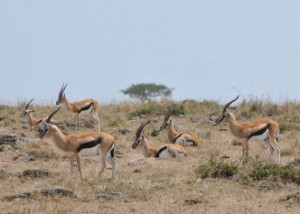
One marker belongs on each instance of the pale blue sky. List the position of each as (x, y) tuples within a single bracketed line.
[(201, 48)]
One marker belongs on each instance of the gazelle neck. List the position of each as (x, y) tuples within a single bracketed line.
[(172, 133), (232, 124), (147, 150), (30, 119), (68, 104), (58, 138)]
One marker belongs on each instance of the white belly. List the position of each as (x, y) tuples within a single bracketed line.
[(165, 154), (90, 151), (260, 137)]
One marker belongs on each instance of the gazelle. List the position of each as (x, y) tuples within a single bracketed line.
[(32, 121), (80, 106), (165, 151), (175, 137), (75, 143), (261, 129)]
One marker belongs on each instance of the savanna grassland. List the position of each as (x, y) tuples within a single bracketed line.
[(212, 179)]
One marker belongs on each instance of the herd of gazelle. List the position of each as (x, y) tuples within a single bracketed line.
[(103, 144)]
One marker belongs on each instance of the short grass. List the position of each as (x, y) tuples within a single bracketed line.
[(212, 179)]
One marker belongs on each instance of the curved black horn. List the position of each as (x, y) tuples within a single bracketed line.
[(168, 114), (228, 104), (62, 90), (51, 115), (142, 126), (29, 103)]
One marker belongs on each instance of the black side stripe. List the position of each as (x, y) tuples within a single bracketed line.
[(259, 132), (178, 136), (86, 107), (112, 152), (90, 144), (160, 151)]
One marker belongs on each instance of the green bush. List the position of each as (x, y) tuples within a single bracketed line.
[(216, 169), (286, 173)]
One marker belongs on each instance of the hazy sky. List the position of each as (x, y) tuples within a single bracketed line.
[(202, 49)]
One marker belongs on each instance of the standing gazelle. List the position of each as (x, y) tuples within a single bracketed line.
[(175, 137), (80, 106), (32, 121), (75, 143), (261, 129), (165, 151)]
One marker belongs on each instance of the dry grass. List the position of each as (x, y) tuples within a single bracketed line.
[(151, 186)]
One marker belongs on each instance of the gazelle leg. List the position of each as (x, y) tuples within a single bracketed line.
[(71, 163), (276, 145), (78, 163), (270, 147), (96, 116), (103, 165), (113, 166)]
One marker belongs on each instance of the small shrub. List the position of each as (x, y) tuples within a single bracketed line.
[(286, 173), (178, 109), (216, 169)]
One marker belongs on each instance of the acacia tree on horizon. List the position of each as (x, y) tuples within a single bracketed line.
[(147, 91)]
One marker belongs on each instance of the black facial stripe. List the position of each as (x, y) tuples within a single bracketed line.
[(160, 151), (260, 132), (90, 144), (136, 143), (86, 107)]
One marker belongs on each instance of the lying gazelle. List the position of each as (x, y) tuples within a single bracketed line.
[(32, 121), (75, 143), (175, 137), (165, 151), (90, 105), (262, 129)]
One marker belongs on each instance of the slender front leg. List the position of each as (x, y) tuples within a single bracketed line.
[(76, 154), (71, 163)]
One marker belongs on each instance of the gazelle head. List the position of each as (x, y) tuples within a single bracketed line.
[(26, 111), (225, 112), (61, 95), (166, 120), (165, 123), (43, 127), (138, 136)]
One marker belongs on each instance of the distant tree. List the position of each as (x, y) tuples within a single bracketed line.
[(147, 91)]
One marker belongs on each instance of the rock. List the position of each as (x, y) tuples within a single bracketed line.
[(35, 173), (294, 196), (195, 119), (25, 195), (124, 131), (134, 118), (103, 197), (8, 138), (106, 197), (58, 191)]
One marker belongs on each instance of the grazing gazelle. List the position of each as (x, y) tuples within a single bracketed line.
[(75, 143), (175, 137), (261, 129), (90, 105), (32, 121), (165, 151)]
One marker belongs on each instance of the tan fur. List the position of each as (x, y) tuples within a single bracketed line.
[(76, 106), (150, 151), (70, 144), (187, 136), (242, 131), (33, 121)]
